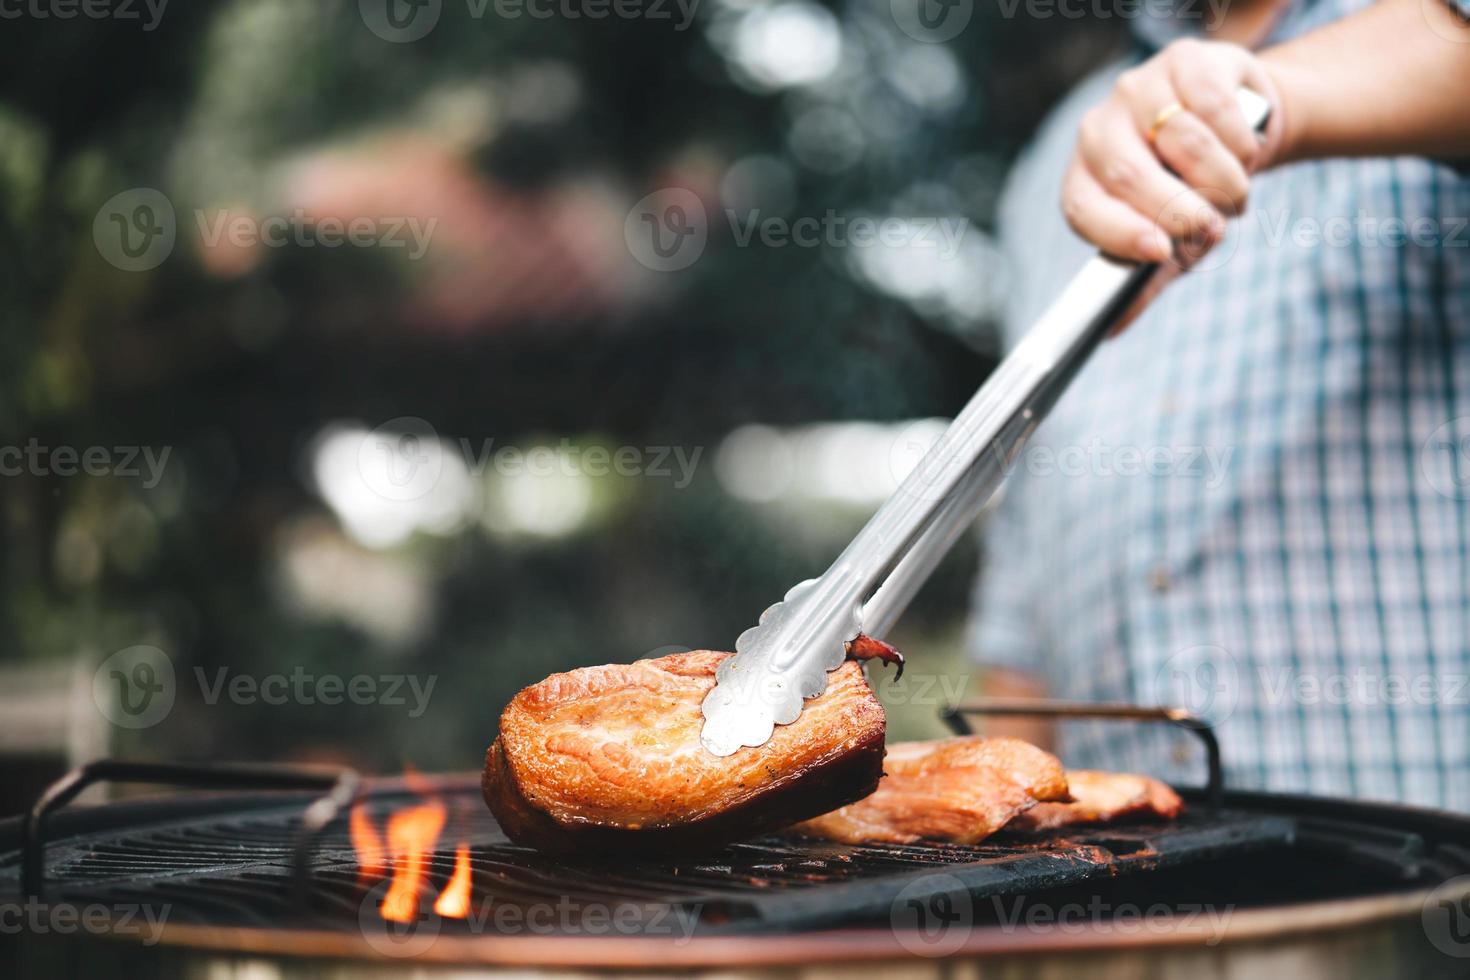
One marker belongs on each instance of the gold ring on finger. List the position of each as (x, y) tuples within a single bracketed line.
[(1165, 114)]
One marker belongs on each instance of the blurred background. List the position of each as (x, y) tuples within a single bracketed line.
[(365, 362)]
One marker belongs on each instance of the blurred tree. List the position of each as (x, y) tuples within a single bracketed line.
[(526, 141)]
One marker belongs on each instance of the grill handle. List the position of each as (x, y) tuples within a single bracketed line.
[(340, 786), (954, 717)]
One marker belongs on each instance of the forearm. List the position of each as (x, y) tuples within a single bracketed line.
[(1391, 79)]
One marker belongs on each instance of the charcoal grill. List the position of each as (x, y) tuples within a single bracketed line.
[(242, 883)]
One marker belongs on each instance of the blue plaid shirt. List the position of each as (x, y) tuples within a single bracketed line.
[(1256, 502)]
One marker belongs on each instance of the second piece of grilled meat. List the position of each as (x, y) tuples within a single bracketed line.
[(959, 790), (1104, 797)]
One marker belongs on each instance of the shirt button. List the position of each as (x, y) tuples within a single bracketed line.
[(1158, 579)]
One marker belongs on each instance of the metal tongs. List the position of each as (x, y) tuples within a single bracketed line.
[(785, 658)]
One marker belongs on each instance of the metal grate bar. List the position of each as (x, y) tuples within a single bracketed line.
[(238, 869)]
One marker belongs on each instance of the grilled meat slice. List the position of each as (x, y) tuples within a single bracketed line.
[(1104, 797), (959, 790), (609, 758)]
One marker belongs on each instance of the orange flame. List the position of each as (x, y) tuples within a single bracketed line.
[(454, 902), (411, 835), (372, 858), (404, 851)]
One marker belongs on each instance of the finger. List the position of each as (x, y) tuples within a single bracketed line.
[(1107, 222), (1126, 167), (1195, 154), (1189, 249), (1146, 91), (1198, 155), (1206, 87)]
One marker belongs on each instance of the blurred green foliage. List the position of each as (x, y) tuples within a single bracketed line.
[(237, 369)]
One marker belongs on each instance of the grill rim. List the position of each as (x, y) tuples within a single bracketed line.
[(1268, 922), (827, 946)]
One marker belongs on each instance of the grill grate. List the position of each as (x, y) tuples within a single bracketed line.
[(236, 869)]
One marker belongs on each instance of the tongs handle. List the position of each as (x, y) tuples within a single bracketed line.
[(784, 658), (964, 468)]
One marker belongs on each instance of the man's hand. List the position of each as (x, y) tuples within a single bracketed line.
[(1388, 80), (1175, 112)]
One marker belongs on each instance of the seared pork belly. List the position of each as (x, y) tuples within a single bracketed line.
[(1104, 797), (609, 758), (959, 790)]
